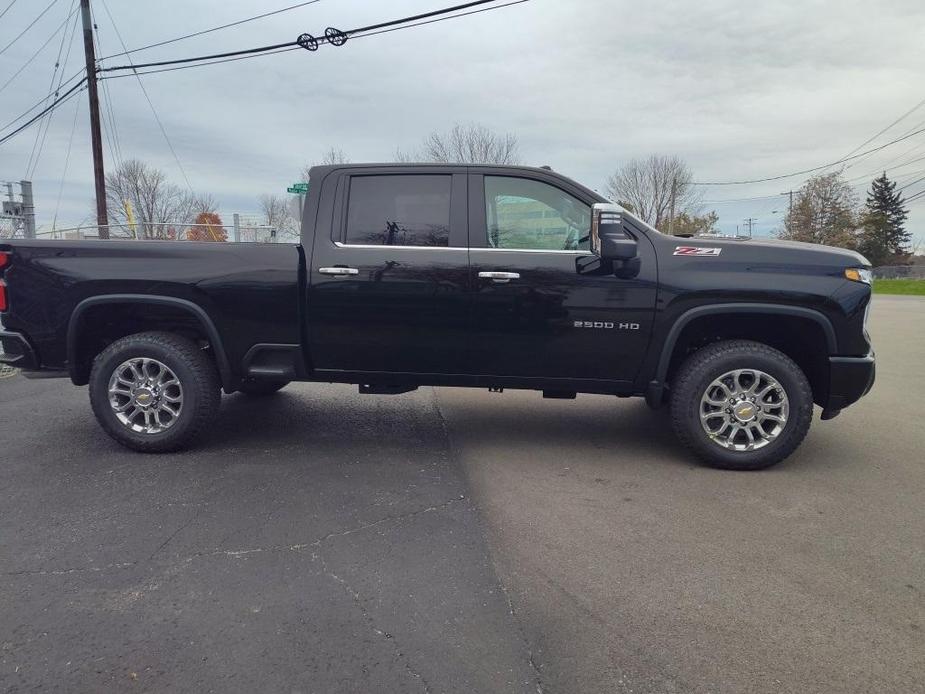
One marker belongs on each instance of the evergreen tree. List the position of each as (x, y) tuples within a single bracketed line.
[(884, 236)]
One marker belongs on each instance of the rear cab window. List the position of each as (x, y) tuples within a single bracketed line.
[(410, 210)]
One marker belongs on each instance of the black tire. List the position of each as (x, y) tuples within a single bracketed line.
[(704, 366), (260, 389), (195, 372)]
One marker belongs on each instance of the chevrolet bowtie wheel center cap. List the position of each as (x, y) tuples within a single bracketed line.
[(744, 411)]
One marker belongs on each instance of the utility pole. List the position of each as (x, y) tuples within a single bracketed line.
[(674, 192), (750, 222), (28, 210), (789, 209), (96, 139)]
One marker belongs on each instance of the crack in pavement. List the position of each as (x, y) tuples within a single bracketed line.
[(176, 532), (241, 552), (510, 603), (358, 602), (75, 570), (523, 635)]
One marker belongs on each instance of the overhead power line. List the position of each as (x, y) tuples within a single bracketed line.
[(884, 169), (815, 168), (441, 19), (296, 48), (331, 35), (203, 64), (148, 99), (209, 31), (13, 2), (749, 199), (38, 50), (42, 134), (289, 47), (48, 109), (67, 159), (32, 24), (879, 133), (908, 185), (41, 102), (918, 196)]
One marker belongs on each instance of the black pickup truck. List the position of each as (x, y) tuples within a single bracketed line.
[(432, 275)]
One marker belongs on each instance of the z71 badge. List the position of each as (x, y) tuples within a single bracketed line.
[(700, 251)]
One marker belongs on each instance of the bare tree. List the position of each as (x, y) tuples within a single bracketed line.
[(277, 213), (332, 155), (466, 144), (203, 203), (825, 210), (153, 200), (654, 188)]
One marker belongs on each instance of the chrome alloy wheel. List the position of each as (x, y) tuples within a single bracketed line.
[(145, 395), (744, 410)]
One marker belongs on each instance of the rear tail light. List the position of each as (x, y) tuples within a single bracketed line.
[(4, 262)]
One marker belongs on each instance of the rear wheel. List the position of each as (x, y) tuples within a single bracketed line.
[(154, 392), (259, 389), (741, 405)]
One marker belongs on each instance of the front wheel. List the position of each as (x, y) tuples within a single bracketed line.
[(154, 392), (741, 405)]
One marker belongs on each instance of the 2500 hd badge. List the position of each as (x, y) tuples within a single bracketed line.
[(605, 325)]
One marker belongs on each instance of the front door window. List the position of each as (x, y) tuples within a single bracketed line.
[(523, 214)]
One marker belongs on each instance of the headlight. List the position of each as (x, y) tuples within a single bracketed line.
[(859, 274)]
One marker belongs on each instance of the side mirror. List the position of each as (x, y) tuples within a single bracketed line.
[(609, 237)]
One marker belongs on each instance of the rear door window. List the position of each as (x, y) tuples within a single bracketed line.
[(399, 210)]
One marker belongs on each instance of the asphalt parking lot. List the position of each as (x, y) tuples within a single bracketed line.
[(463, 541)]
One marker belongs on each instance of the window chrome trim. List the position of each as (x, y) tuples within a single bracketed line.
[(561, 251), (367, 246), (340, 244)]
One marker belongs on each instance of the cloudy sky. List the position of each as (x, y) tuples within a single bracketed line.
[(740, 90)]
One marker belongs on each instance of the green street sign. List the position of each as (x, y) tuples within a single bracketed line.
[(297, 188)]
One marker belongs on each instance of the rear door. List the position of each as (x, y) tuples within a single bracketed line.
[(389, 275), (539, 308)]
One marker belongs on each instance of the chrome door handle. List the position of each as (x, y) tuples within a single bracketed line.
[(499, 277), (338, 271)]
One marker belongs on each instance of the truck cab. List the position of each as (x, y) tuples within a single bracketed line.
[(481, 273)]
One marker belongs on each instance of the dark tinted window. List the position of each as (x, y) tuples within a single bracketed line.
[(399, 210)]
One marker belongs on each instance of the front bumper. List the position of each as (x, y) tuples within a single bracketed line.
[(17, 351), (850, 379)]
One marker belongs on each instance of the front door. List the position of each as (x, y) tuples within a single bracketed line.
[(388, 288), (539, 308)]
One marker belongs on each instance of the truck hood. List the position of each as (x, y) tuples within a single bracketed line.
[(762, 249), (745, 248)]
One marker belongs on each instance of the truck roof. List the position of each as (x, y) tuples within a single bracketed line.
[(321, 171)]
